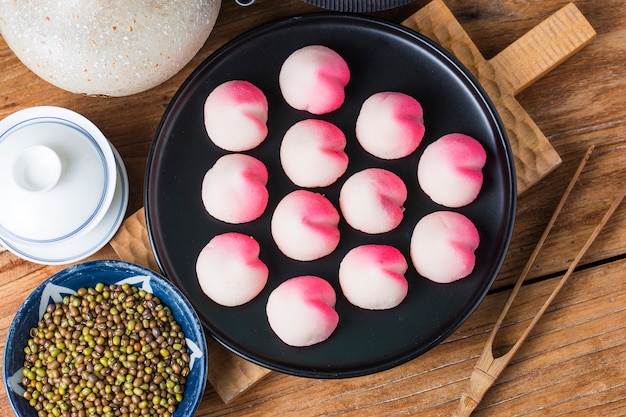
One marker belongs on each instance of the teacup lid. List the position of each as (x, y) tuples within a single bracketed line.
[(57, 175)]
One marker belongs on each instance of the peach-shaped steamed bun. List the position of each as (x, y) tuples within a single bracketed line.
[(234, 189), (313, 78), (301, 311), (390, 125), (235, 116), (372, 277), (450, 170), (229, 270), (372, 200), (304, 226), (443, 245), (312, 153)]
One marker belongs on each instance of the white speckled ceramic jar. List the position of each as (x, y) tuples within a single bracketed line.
[(106, 47)]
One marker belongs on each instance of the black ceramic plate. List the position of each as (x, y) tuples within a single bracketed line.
[(382, 57)]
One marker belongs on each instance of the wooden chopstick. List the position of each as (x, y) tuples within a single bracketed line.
[(489, 368)]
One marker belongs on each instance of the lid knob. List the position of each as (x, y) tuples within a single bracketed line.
[(37, 169)]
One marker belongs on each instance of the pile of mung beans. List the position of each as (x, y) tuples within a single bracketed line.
[(108, 350)]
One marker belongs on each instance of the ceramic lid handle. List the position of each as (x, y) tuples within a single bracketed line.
[(37, 169)]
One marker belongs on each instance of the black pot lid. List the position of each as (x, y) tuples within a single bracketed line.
[(358, 6)]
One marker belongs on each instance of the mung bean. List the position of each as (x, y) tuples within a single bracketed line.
[(106, 350)]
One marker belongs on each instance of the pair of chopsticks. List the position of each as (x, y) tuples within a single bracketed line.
[(489, 368)]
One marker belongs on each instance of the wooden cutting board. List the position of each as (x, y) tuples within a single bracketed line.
[(502, 77)]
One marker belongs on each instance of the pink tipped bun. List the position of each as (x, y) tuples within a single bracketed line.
[(443, 245), (304, 226), (450, 170), (235, 116), (310, 145), (372, 200), (301, 311), (390, 125), (229, 269), (372, 277), (313, 79), (234, 191)]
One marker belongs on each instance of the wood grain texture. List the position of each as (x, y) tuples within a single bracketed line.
[(574, 361), (543, 48), (132, 243)]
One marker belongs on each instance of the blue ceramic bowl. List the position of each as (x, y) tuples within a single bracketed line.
[(88, 274)]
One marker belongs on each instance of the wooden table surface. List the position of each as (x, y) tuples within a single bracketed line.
[(573, 363)]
